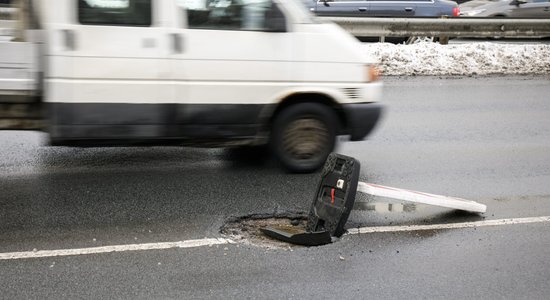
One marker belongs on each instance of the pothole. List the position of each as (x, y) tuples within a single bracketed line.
[(247, 230)]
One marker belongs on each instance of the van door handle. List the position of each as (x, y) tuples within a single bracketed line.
[(177, 43), (362, 9), (69, 41), (409, 9)]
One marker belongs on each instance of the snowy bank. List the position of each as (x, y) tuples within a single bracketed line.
[(461, 59)]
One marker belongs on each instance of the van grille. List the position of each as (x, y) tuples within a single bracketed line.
[(351, 93)]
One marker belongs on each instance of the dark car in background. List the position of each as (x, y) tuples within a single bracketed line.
[(386, 8)]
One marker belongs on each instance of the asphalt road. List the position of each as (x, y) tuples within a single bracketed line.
[(484, 139)]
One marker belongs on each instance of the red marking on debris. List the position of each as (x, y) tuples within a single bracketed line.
[(425, 194), (332, 196), (383, 187)]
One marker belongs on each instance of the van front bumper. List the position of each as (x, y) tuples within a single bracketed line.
[(362, 118)]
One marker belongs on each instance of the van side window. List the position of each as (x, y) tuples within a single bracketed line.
[(253, 15), (115, 12)]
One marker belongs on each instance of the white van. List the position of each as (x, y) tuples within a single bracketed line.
[(220, 72)]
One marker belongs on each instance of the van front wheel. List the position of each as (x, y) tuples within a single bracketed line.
[(303, 135)]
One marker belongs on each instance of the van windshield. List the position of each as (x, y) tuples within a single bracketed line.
[(296, 7)]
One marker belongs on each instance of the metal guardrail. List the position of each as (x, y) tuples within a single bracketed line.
[(403, 27), (451, 27)]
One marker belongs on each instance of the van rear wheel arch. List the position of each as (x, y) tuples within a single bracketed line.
[(316, 98)]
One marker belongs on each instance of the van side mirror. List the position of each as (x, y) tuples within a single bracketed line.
[(275, 20)]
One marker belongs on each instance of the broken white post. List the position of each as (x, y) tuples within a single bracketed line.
[(419, 197)]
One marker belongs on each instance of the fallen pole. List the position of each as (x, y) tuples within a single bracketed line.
[(420, 197)]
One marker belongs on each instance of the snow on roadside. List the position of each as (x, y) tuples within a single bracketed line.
[(484, 58)]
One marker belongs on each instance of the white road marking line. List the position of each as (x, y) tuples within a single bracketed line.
[(116, 248), (499, 222), (221, 241)]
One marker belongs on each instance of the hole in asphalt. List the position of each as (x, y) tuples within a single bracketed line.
[(247, 229)]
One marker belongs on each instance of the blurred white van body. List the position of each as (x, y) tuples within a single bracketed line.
[(237, 72)]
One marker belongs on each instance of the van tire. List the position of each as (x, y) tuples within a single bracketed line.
[(303, 135)]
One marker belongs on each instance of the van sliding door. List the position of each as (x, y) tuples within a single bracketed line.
[(236, 56), (116, 56)]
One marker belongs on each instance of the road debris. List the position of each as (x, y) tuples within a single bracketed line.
[(335, 198)]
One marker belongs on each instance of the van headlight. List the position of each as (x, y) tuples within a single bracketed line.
[(372, 73)]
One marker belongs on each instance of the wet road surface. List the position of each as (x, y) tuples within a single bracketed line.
[(484, 139)]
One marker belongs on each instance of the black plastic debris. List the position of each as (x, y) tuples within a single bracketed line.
[(298, 237), (331, 205)]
